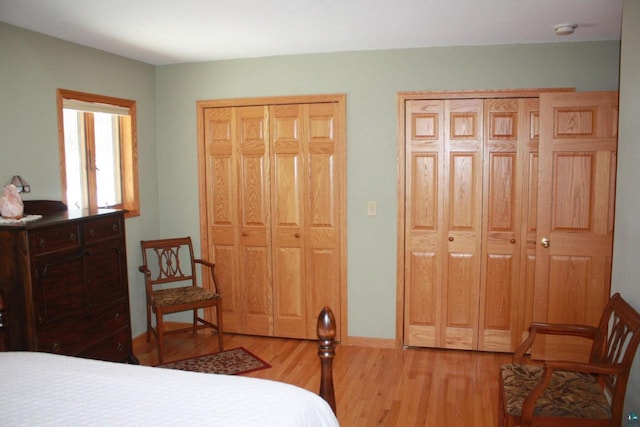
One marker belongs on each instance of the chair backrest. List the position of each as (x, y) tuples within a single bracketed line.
[(169, 261), (615, 344)]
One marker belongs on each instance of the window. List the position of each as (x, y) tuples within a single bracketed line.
[(98, 151)]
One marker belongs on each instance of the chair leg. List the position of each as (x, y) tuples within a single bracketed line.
[(148, 323), (219, 316), (501, 411), (195, 322), (160, 336)]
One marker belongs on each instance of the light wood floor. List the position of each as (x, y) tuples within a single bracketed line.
[(374, 386)]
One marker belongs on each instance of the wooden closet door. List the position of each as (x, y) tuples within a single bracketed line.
[(223, 220), (578, 144), (462, 223), (237, 153), (273, 210), (530, 122), (443, 222), (501, 225), (306, 227), (324, 184), (424, 224), (252, 136), (289, 144)]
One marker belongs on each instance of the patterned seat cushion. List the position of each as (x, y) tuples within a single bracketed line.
[(569, 394), (177, 296)]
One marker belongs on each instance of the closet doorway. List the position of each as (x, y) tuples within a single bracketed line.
[(272, 174), (472, 192)]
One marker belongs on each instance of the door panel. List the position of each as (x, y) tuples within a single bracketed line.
[(252, 135), (424, 172), (324, 173), (462, 222), (502, 210), (530, 123), (222, 212), (575, 209), (288, 210)]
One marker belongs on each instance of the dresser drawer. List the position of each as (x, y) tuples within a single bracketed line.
[(73, 336), (106, 228), (67, 338), (60, 238), (109, 319), (114, 347)]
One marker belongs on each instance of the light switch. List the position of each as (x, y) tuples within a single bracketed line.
[(371, 208)]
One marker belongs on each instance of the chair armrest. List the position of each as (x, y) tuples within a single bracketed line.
[(553, 329), (585, 368), (212, 269), (565, 329), (205, 262), (144, 269)]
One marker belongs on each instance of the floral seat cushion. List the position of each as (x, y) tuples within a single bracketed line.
[(183, 295), (569, 394)]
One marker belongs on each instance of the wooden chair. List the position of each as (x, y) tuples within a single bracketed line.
[(170, 278), (562, 393)]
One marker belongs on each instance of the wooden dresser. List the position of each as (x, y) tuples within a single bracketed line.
[(64, 282)]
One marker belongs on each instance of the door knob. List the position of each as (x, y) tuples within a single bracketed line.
[(545, 242)]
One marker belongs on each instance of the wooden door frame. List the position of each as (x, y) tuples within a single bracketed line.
[(402, 97), (341, 100)]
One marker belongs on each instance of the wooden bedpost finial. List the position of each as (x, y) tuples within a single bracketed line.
[(326, 352)]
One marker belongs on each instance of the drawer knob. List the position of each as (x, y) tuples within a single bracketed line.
[(55, 347), (72, 237), (451, 239), (42, 243), (92, 232), (117, 316), (120, 346), (114, 227)]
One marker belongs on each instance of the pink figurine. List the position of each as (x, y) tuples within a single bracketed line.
[(11, 205)]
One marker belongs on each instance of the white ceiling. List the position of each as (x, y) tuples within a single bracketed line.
[(176, 31)]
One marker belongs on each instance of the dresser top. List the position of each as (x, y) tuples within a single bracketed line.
[(59, 217)]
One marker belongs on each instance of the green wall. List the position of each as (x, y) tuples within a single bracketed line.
[(371, 81), (626, 269)]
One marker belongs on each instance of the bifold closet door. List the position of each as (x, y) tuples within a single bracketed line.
[(237, 172), (274, 176), (466, 190), (443, 222), (305, 178), (506, 129)]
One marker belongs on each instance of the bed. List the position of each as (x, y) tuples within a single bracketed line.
[(47, 389)]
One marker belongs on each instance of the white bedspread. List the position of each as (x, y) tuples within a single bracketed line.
[(39, 389)]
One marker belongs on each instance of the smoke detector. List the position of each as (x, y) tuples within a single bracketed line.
[(565, 29)]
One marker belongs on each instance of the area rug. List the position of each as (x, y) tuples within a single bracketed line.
[(229, 362)]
